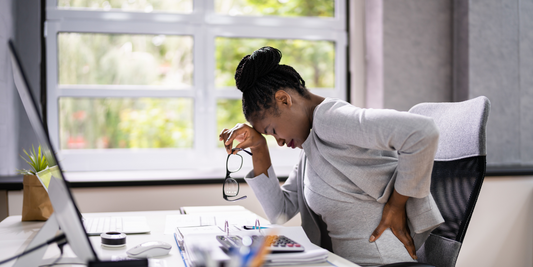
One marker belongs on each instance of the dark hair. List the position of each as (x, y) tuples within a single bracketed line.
[(259, 76)]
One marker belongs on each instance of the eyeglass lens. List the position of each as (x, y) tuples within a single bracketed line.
[(231, 187), (234, 163)]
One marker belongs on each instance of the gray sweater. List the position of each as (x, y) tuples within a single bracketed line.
[(365, 154)]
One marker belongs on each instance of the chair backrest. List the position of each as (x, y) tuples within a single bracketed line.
[(458, 173)]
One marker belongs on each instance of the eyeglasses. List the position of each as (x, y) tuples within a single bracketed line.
[(230, 189)]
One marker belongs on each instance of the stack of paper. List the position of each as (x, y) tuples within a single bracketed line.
[(200, 242), (196, 230), (236, 216), (198, 245), (211, 209), (312, 254), (310, 257)]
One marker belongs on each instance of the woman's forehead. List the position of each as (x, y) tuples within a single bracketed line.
[(261, 124)]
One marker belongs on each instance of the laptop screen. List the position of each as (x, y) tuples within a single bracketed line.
[(65, 208)]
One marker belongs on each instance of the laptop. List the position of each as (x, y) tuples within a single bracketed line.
[(92, 225)]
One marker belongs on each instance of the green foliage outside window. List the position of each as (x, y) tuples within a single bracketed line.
[(124, 59), (285, 8), (126, 123), (166, 61), (229, 112), (314, 60), (180, 6)]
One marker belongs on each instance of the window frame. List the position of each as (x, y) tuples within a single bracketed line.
[(204, 25)]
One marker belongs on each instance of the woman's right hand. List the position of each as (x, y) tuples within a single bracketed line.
[(247, 137)]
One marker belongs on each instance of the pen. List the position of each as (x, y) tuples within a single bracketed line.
[(251, 227), (259, 258)]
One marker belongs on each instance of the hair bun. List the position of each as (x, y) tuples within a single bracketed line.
[(252, 67)]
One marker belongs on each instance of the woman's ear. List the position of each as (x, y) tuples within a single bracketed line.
[(283, 98)]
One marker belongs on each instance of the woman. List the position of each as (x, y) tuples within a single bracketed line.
[(362, 182)]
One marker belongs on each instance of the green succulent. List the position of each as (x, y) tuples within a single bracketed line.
[(36, 160)]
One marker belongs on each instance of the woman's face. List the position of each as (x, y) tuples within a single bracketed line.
[(290, 126)]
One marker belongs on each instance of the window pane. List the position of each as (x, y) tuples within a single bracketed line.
[(285, 8), (177, 6), (124, 59), (229, 113), (106, 123), (314, 60)]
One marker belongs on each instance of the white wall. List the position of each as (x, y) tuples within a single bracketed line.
[(501, 230), (500, 233)]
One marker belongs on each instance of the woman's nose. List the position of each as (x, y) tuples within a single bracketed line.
[(280, 141)]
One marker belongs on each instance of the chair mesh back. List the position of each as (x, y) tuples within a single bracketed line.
[(459, 167), (455, 186), (458, 173)]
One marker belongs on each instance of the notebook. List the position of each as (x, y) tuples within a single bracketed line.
[(93, 226)]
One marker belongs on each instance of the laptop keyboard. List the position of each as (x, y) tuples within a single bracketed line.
[(103, 224)]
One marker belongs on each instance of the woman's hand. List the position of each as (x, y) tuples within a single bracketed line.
[(395, 218), (248, 137), (244, 134)]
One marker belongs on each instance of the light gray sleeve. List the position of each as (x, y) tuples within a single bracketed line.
[(412, 136), (279, 203)]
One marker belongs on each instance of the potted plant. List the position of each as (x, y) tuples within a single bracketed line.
[(36, 205), (37, 162)]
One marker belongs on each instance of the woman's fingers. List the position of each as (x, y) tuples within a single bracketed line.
[(378, 231), (227, 136), (247, 137), (238, 133), (396, 220), (407, 241), (402, 235), (223, 136)]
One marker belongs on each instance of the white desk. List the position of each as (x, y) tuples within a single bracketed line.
[(16, 235)]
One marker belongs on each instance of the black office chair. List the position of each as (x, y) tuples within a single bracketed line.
[(458, 173)]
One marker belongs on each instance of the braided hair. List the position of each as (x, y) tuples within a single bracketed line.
[(259, 76)]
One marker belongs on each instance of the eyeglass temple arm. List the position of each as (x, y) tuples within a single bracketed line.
[(241, 149), (227, 198)]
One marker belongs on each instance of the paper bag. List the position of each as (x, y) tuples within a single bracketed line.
[(36, 205)]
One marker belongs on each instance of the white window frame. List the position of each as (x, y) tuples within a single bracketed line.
[(205, 159)]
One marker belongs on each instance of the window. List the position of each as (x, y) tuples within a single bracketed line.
[(148, 85)]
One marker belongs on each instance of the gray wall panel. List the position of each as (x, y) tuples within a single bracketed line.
[(28, 43), (8, 115), (460, 58), (493, 31), (526, 80), (454, 50), (417, 49), (374, 53)]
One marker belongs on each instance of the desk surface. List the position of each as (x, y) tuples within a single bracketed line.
[(16, 235)]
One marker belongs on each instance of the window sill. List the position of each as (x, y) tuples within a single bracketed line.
[(11, 182), (158, 177), (140, 178)]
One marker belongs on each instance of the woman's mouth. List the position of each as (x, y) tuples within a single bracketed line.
[(291, 144)]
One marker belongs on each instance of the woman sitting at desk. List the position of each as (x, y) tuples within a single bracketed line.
[(362, 181)]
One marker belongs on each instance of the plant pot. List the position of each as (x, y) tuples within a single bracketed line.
[(36, 205)]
